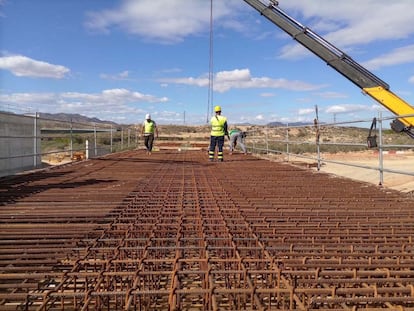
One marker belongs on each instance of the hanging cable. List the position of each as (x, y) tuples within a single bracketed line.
[(210, 67)]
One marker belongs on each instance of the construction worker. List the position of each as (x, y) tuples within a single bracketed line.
[(218, 131), (237, 138), (149, 128)]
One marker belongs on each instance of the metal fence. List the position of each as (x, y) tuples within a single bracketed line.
[(311, 143), (31, 142)]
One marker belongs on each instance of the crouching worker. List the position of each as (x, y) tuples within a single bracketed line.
[(237, 138)]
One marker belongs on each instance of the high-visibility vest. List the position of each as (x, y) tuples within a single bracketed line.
[(149, 127), (217, 125)]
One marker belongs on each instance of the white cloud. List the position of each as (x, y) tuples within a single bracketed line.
[(108, 104), (397, 56), (306, 111), (411, 79), (28, 98), (124, 75), (201, 81), (352, 23), (234, 75), (293, 51), (242, 79), (259, 117), (357, 21), (345, 108), (23, 66), (162, 20), (347, 23), (113, 96)]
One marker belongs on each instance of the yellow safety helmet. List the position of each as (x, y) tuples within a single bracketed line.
[(217, 108)]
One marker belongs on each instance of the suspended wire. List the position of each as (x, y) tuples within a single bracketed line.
[(210, 67)]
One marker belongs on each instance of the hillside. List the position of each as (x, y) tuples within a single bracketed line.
[(328, 134), (75, 118), (301, 131)]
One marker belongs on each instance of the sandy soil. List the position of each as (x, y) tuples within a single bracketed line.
[(403, 162)]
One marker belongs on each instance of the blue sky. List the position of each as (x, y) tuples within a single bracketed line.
[(120, 59)]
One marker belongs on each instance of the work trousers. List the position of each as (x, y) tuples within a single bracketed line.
[(219, 142), (149, 141)]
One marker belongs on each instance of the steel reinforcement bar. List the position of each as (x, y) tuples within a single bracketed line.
[(171, 231)]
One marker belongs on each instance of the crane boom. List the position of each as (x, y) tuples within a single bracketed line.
[(342, 63)]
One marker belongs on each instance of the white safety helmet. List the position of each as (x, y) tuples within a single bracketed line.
[(147, 116)]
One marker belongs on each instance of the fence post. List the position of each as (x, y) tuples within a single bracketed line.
[(71, 139), (318, 146), (95, 138), (267, 140), (254, 145), (87, 149), (287, 142), (380, 150), (122, 138), (111, 138), (35, 140)]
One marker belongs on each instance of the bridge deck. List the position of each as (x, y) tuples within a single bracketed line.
[(172, 231)]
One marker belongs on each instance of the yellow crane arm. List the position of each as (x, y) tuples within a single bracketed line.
[(342, 63), (393, 103)]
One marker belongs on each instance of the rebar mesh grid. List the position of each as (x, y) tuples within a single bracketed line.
[(171, 231)]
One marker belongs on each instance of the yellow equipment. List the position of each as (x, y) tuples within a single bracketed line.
[(345, 65)]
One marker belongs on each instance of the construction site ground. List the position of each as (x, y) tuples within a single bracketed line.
[(173, 231), (362, 166)]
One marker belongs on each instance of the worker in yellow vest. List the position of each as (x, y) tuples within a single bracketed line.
[(218, 131), (149, 129)]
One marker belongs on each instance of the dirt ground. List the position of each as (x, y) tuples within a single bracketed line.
[(358, 162), (403, 162)]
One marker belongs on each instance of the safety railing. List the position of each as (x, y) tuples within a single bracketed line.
[(31, 142), (317, 143)]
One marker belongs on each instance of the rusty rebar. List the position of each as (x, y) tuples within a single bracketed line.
[(171, 231)]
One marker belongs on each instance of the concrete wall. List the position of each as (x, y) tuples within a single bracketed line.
[(19, 144)]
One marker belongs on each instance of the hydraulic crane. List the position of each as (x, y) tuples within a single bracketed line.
[(341, 62)]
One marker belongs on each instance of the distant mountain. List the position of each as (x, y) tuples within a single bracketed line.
[(244, 124), (76, 118), (290, 124)]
